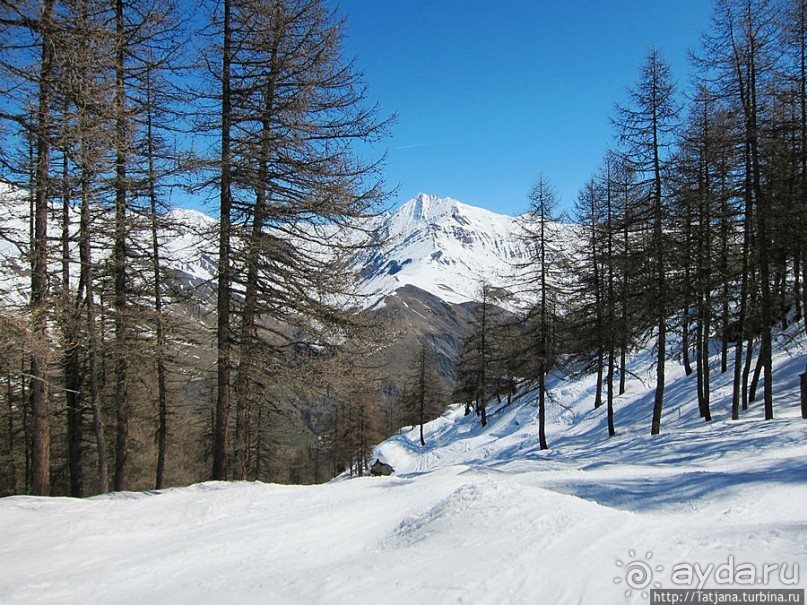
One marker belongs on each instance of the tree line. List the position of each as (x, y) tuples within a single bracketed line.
[(116, 377), (694, 227), (109, 109)]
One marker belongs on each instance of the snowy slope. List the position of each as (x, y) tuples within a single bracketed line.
[(14, 268), (477, 516), (186, 238), (188, 244), (448, 248)]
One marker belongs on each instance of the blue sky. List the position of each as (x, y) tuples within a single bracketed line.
[(490, 94)]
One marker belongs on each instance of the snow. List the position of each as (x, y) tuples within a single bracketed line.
[(448, 248), (13, 243), (187, 245), (439, 245), (476, 516)]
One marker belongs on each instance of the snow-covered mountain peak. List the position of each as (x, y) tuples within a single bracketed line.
[(443, 246), (419, 212), (425, 209), (190, 218)]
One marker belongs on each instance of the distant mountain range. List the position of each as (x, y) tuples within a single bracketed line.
[(424, 274), (438, 245)]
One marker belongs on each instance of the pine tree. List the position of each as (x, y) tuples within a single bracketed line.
[(423, 394), (537, 232), (611, 328), (645, 128), (588, 213), (739, 58), (291, 106), (477, 354), (702, 203), (224, 279), (28, 73)]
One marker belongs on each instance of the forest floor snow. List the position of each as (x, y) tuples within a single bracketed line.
[(479, 515)]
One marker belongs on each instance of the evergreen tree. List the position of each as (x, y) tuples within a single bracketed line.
[(289, 182), (538, 233), (473, 382), (646, 127), (739, 57), (423, 394)]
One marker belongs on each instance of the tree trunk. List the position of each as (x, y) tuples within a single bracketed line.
[(254, 245), (26, 425), (802, 21), (75, 416), (739, 393), (611, 306), (71, 316), (804, 284), (751, 109), (749, 356), (223, 330), (804, 394), (704, 377), (685, 338), (12, 458), (610, 382), (658, 401), (623, 364), (797, 285), (542, 409), (661, 288), (752, 389), (705, 285), (764, 264), (623, 323), (724, 276), (119, 254), (597, 299), (85, 259), (600, 363), (162, 394), (40, 455)]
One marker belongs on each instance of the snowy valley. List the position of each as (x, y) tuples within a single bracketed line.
[(476, 516), (322, 394)]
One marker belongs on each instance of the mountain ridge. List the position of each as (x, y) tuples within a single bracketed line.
[(437, 244), (449, 249)]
